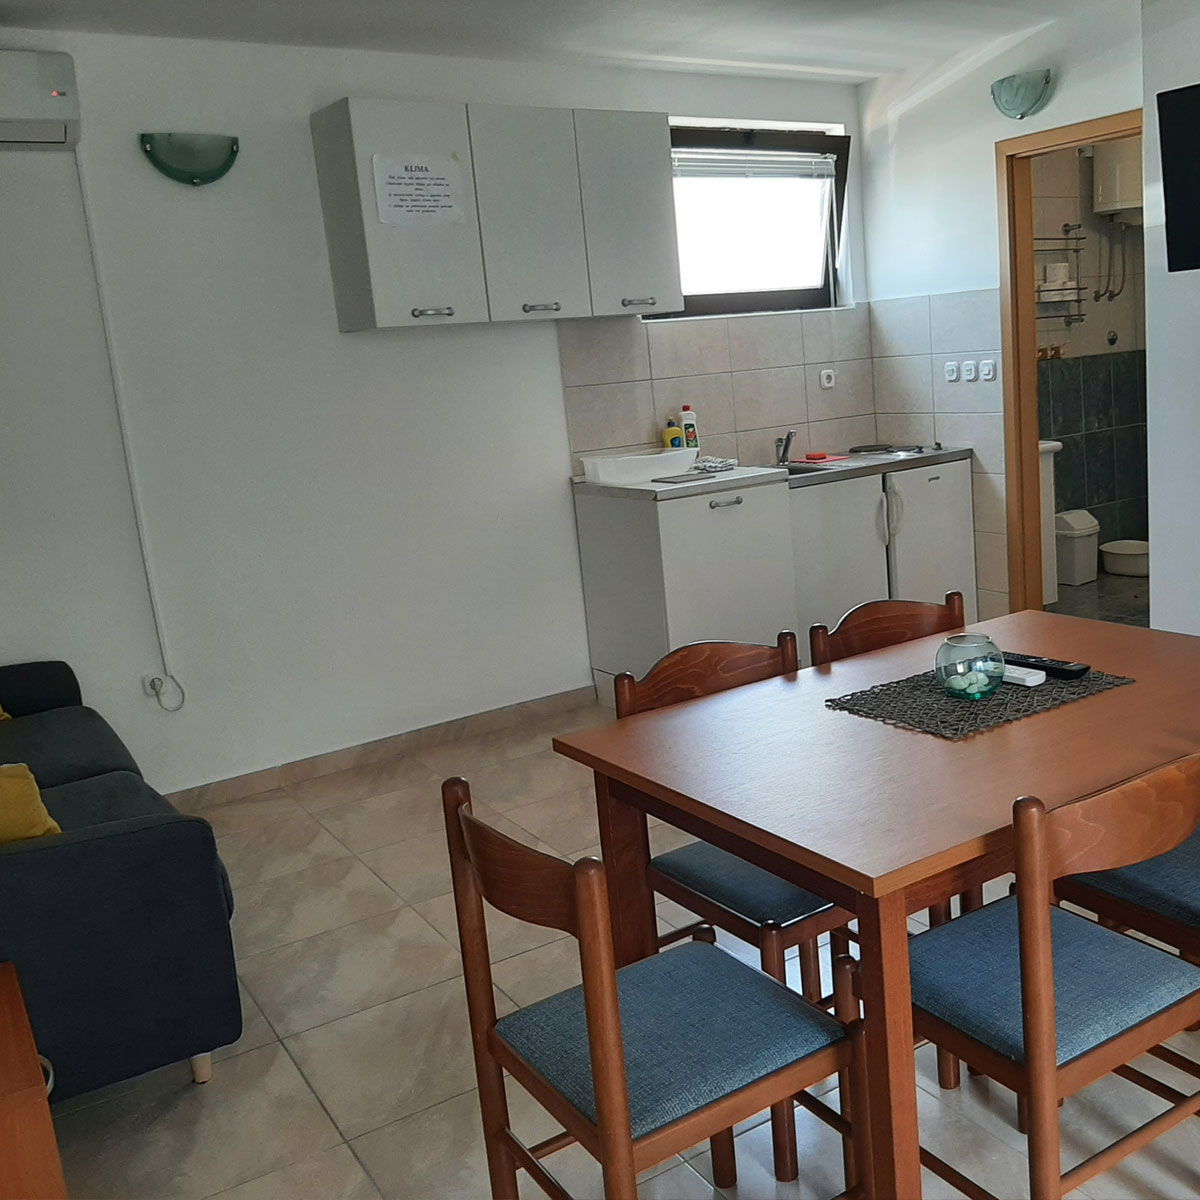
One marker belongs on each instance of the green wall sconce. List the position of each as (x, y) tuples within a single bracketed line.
[(195, 158), (1020, 96)]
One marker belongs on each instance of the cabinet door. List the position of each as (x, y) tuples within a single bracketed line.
[(628, 211), (530, 213), (932, 546), (399, 202), (838, 546), (727, 566)]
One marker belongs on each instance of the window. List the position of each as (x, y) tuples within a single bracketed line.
[(758, 214)]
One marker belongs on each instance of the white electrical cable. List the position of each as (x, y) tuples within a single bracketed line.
[(126, 450)]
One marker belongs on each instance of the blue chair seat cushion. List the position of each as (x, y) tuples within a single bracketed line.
[(697, 1025), (737, 885), (1168, 885), (62, 745), (967, 973)]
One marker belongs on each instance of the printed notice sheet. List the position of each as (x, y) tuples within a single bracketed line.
[(423, 189)]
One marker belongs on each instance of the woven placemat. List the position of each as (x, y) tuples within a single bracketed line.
[(921, 704)]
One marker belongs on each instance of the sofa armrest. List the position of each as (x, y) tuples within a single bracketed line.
[(120, 933), (28, 688)]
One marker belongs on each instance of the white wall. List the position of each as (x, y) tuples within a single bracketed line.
[(929, 144), (352, 535), (1170, 37)]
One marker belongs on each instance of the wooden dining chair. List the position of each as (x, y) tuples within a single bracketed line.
[(641, 1063), (1047, 1002), (881, 623), (720, 888)]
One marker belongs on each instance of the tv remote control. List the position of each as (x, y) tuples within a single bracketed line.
[(1024, 676), (1055, 668)]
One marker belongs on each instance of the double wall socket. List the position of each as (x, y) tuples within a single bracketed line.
[(970, 371)]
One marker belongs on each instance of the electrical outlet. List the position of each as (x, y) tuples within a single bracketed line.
[(951, 369), (970, 370), (987, 370), (828, 377), (153, 684)]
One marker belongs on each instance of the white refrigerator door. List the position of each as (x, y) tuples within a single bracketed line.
[(931, 544), (838, 545)]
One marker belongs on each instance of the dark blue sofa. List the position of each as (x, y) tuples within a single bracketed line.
[(119, 928)]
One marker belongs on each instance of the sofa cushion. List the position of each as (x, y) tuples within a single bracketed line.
[(113, 797), (63, 745)]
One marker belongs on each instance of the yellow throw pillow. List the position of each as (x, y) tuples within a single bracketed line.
[(3, 715), (22, 813)]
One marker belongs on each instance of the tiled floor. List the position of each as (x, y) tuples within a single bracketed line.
[(354, 1078), (1124, 599)]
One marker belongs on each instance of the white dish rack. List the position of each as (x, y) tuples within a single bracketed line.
[(636, 468)]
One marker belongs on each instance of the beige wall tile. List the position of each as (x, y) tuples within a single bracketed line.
[(983, 432), (757, 448), (603, 350), (1058, 174), (818, 335), (900, 326), (841, 434), (614, 414), (903, 385), (853, 394), (764, 399), (1051, 213), (719, 445), (711, 398), (991, 561), (905, 429), (991, 514), (993, 604), (699, 346), (851, 332), (765, 340), (964, 396), (964, 320)]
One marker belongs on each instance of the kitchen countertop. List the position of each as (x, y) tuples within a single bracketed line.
[(858, 465), (721, 481)]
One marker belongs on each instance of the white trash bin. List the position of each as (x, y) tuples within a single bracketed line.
[(1077, 536)]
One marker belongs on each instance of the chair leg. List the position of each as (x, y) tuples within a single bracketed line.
[(493, 1108), (839, 944), (810, 971), (724, 1157), (949, 1075), (851, 1089), (202, 1068), (1045, 1154), (783, 1116)]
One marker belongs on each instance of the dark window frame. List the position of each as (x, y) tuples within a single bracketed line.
[(785, 299)]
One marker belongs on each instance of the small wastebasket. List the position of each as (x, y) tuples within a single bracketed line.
[(1077, 536)]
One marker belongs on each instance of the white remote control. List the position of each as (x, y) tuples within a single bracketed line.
[(1025, 676)]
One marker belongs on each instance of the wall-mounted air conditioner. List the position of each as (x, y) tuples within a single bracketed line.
[(39, 106)]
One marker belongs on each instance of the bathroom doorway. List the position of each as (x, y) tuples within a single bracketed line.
[(1072, 296)]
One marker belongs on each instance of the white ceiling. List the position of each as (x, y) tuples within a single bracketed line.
[(849, 40)]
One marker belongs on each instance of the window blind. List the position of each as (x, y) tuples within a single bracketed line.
[(717, 162)]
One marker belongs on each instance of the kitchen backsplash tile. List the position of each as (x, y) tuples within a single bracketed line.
[(991, 515), (766, 340), (964, 320), (610, 414), (695, 346), (711, 396), (983, 432), (852, 394), (841, 433), (903, 385), (900, 327), (993, 604), (603, 350), (756, 447), (991, 561), (905, 429), (770, 397)]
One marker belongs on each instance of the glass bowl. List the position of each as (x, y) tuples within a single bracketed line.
[(969, 666)]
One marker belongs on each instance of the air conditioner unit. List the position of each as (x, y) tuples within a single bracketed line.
[(39, 106)]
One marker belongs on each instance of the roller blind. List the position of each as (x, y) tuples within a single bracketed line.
[(720, 163)]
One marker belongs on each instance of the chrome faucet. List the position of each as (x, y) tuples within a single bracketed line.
[(783, 448)]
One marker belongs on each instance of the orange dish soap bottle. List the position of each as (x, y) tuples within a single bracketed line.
[(691, 430), (673, 436)]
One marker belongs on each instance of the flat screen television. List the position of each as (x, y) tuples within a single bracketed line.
[(1179, 131)]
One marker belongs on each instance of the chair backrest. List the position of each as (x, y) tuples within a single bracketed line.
[(880, 623), (703, 668), (541, 890), (1127, 824)]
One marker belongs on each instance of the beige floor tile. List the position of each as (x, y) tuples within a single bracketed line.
[(256, 1030), (233, 816), (168, 1137), (567, 822), (358, 783), (667, 837), (387, 1062), (321, 897), (539, 973), (526, 779), (416, 869), (362, 825), (506, 935), (333, 1174), (276, 848), (343, 971)]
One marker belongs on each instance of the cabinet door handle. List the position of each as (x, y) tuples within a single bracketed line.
[(648, 301), (885, 519), (553, 307), (448, 311), (725, 503)]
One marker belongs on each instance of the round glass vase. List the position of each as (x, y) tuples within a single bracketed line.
[(969, 666)]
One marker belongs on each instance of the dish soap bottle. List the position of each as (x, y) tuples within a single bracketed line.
[(691, 431), (673, 436)]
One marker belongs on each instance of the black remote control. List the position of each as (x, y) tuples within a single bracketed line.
[(1055, 668)]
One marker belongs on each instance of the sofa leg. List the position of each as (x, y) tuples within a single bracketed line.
[(202, 1068)]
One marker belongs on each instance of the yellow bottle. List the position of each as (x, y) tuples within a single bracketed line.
[(673, 436)]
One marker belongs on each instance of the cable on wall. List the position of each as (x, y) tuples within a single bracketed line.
[(156, 686)]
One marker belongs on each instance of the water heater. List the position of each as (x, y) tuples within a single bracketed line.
[(1117, 186)]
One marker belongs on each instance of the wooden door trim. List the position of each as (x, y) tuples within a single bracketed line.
[(1014, 176)]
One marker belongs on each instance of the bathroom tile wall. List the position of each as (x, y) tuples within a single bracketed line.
[(913, 339)]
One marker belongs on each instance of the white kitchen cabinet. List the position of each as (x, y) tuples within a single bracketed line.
[(530, 212), (660, 572), (400, 252), (628, 211)]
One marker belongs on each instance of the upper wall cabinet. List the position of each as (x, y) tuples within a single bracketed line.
[(628, 211), (530, 215), (398, 198)]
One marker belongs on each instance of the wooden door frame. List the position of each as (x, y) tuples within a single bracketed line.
[(1018, 329)]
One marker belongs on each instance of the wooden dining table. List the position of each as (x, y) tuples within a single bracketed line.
[(879, 819)]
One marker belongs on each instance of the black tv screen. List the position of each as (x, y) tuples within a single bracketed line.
[(1179, 131)]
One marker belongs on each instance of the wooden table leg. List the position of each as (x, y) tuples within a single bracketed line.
[(891, 1069), (625, 847)]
